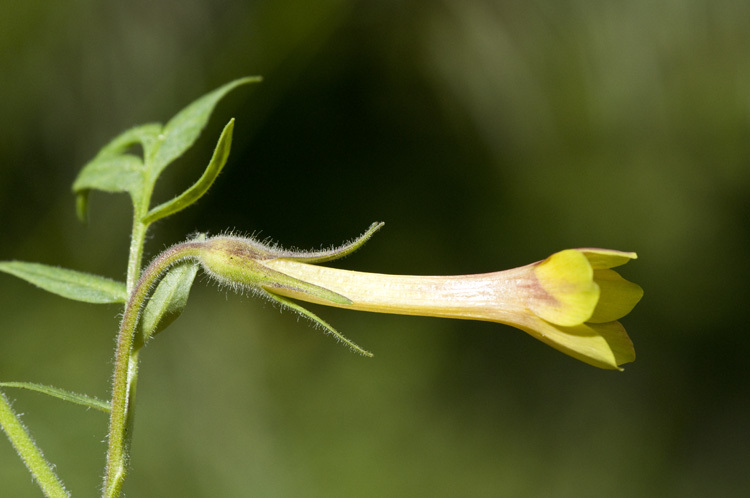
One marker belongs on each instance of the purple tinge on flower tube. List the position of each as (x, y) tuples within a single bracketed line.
[(570, 301)]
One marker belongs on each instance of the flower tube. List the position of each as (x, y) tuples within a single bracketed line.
[(570, 301)]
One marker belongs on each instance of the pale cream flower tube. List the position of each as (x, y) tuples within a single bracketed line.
[(571, 300), (555, 300)]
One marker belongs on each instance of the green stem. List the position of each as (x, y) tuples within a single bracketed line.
[(120, 430), (31, 455), (126, 366), (137, 241)]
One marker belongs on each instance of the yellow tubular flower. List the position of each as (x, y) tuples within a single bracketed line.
[(570, 301)]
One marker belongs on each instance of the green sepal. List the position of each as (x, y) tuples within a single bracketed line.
[(71, 284), (56, 392), (218, 160), (167, 302), (269, 279), (314, 257), (316, 319), (238, 262)]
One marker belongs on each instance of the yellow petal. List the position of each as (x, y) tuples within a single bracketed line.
[(618, 296), (607, 258), (570, 294), (603, 345)]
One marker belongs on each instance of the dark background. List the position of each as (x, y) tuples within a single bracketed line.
[(486, 135)]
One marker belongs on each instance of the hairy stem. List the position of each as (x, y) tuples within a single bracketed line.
[(126, 366), (137, 240)]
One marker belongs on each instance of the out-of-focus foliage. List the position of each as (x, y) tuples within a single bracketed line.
[(487, 135)]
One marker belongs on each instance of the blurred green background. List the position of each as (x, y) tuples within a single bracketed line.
[(487, 135)]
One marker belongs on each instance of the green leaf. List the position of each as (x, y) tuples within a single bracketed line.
[(147, 136), (112, 173), (114, 170), (183, 130), (68, 283), (56, 392), (40, 468), (125, 173), (219, 159), (168, 300)]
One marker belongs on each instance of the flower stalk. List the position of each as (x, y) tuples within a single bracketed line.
[(126, 365)]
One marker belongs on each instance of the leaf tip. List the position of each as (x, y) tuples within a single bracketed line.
[(82, 204)]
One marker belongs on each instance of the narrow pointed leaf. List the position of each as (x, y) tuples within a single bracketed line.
[(168, 300), (56, 392), (72, 284), (185, 127), (42, 471), (219, 159)]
